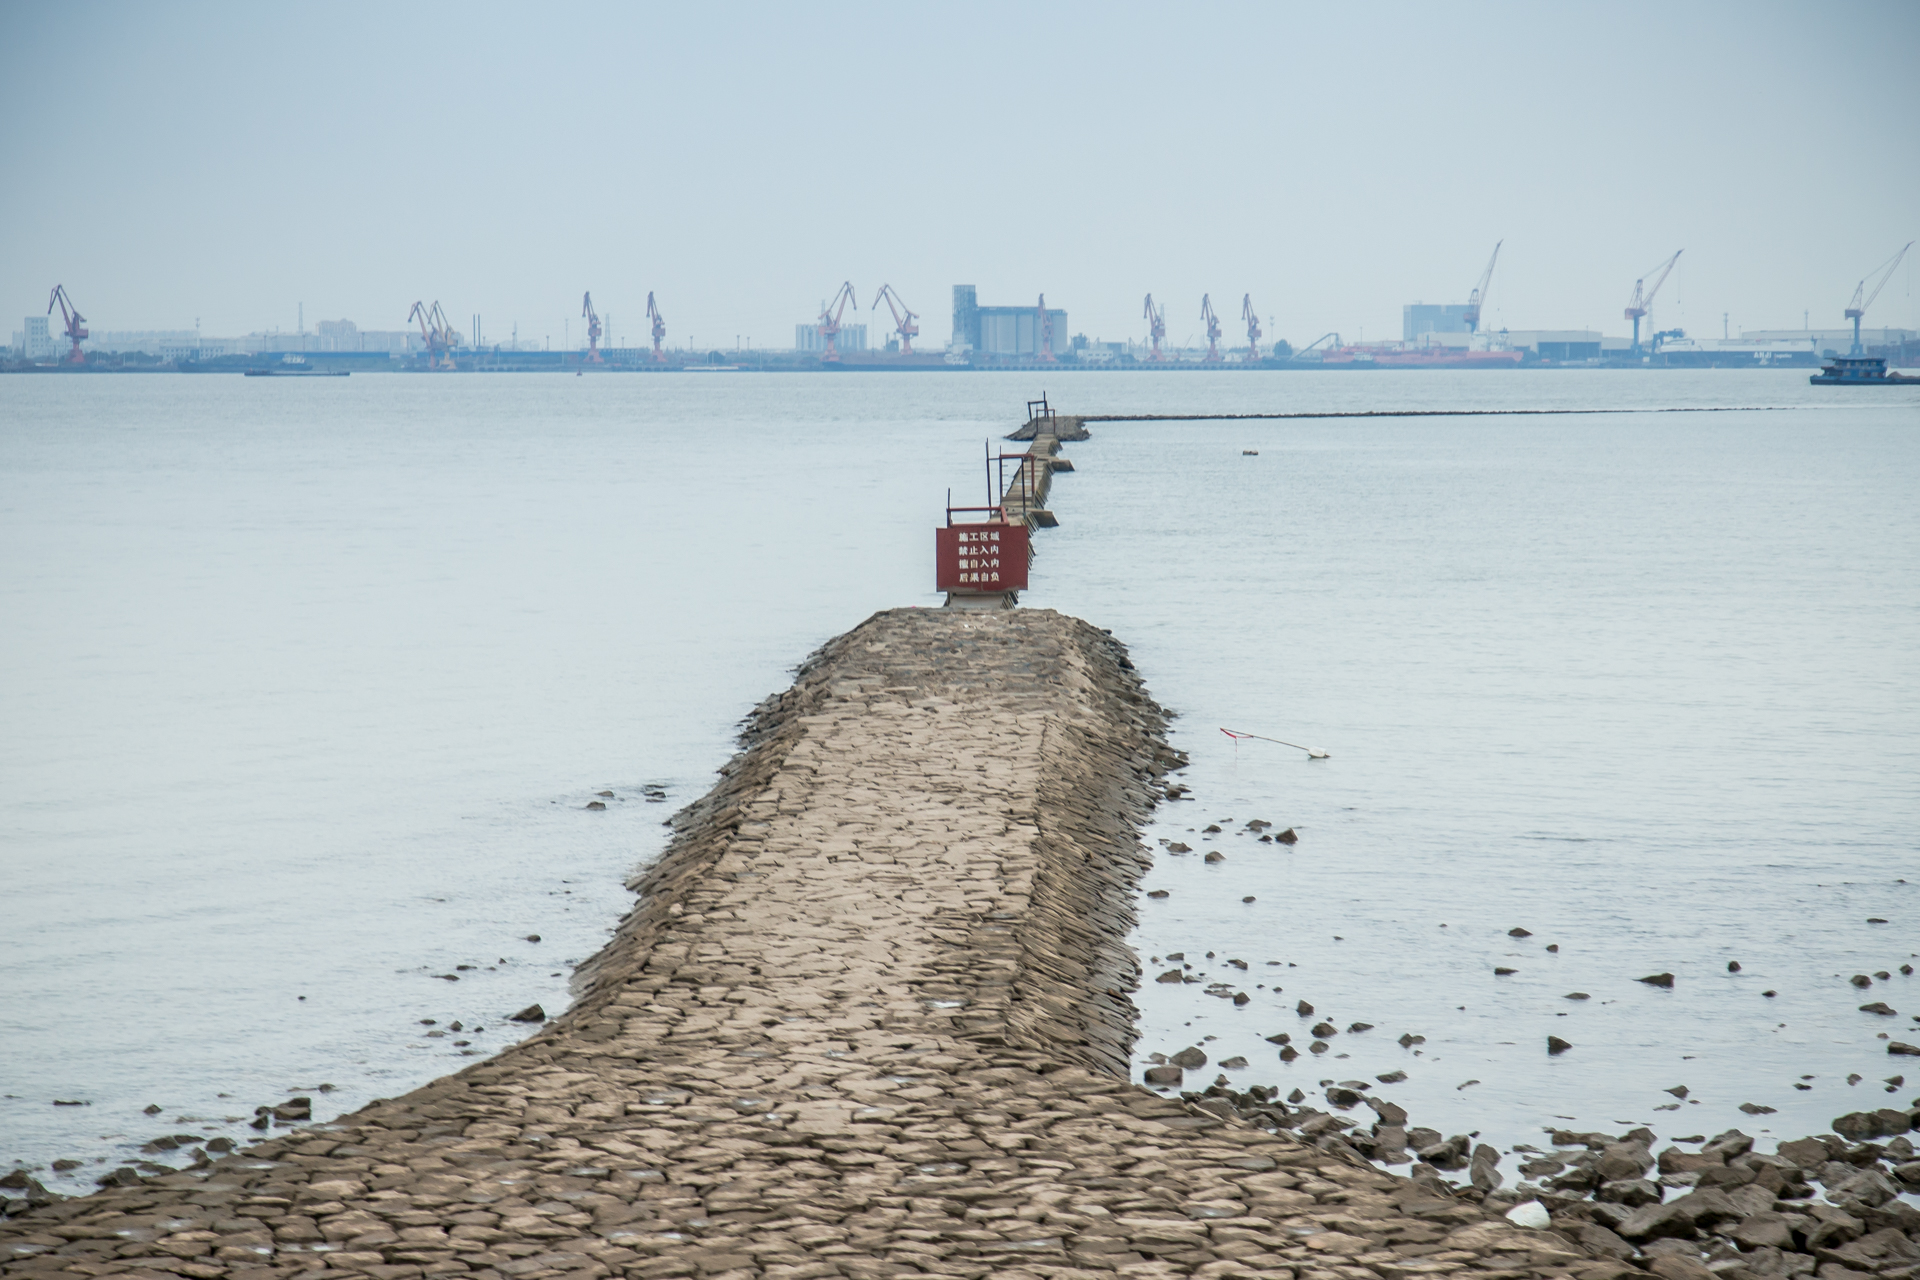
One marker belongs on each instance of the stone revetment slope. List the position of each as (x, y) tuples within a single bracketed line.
[(869, 1017)]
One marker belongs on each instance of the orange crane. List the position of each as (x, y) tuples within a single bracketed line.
[(593, 329), (903, 318), (1212, 321), (659, 328), (437, 333), (1642, 300), (1855, 309), (1478, 298), (1156, 327), (1253, 327), (1043, 328), (830, 314), (74, 325)]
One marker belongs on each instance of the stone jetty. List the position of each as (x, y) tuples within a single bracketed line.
[(869, 1017)]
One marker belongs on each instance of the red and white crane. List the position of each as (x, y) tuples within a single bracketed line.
[(1156, 327), (593, 329), (659, 328), (1855, 309), (1642, 300), (1253, 327), (830, 313), (903, 318), (74, 325), (1212, 321), (1477, 300), (437, 333)]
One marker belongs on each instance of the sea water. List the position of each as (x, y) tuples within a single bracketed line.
[(308, 685)]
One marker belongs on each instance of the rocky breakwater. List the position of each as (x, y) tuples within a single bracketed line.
[(869, 1018)]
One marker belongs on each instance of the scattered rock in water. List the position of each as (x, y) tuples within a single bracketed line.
[(1553, 946), (1248, 898), (1876, 919), (1287, 837), (220, 1146), (1233, 1064), (532, 1013), (1342, 1097), (1577, 995), (1519, 933), (1211, 829), (1896, 1046), (607, 794), (1214, 855), (1678, 1091), (151, 1109), (1157, 893), (596, 804), (1861, 980), (533, 937), (1359, 1026), (69, 1102), (1408, 1040), (1658, 980), (1769, 994), (1555, 1045), (1177, 847), (1499, 972), (1880, 1007), (1163, 1075), (1733, 966), (1241, 997), (1282, 1038), (1189, 1057), (1318, 1046), (1304, 1009), (1755, 1109), (62, 1166), (1392, 1077), (1861, 1126), (1324, 1029), (1288, 1053)]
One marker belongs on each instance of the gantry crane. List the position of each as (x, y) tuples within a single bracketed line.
[(1212, 321), (437, 333), (1043, 330), (1253, 327), (903, 318), (74, 325), (830, 314), (593, 329), (1156, 327), (1477, 300), (659, 328), (1642, 300), (1855, 309)]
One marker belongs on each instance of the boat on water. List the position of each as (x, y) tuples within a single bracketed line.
[(1859, 371), (291, 366)]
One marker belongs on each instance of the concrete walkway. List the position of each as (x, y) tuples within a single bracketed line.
[(869, 1018)]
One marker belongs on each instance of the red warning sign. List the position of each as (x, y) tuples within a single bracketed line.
[(980, 558)]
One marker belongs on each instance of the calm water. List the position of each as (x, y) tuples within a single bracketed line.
[(306, 684)]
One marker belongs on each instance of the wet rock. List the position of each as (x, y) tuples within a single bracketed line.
[(1157, 894), (1318, 1046), (533, 937), (1896, 1046), (1429, 1180), (121, 1177), (1733, 966), (1211, 829), (1325, 1029), (1501, 972), (1171, 975), (1409, 1040), (1177, 847), (1241, 997), (59, 1166), (1880, 1007), (1908, 1173), (1632, 1192), (1519, 933), (1356, 1027), (1189, 1057), (1728, 1145), (1624, 1160), (532, 1013), (1868, 1189), (1304, 1009), (1861, 980), (1215, 855), (294, 1109), (1807, 1153), (1287, 837), (1555, 1045), (1755, 1109), (1859, 1126), (151, 1109), (1577, 995), (1390, 1113), (1163, 1075), (596, 804), (220, 1146), (1233, 1064), (1658, 980), (1392, 1077), (1451, 1154), (1342, 1097), (1288, 1053)]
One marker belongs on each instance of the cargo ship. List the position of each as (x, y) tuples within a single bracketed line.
[(1859, 371)]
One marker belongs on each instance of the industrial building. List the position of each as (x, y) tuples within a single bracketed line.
[(35, 342), (852, 337), (1830, 341), (1004, 331), (1420, 318)]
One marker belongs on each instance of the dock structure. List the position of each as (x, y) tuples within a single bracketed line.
[(869, 1017)]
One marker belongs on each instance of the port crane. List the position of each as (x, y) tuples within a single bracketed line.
[(1156, 326), (1253, 327), (437, 333), (659, 328), (830, 314), (1212, 321), (1477, 300), (1855, 309), (74, 325), (1642, 300), (1043, 329), (903, 318), (593, 329)]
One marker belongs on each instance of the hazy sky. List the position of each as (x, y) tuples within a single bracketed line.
[(229, 162)]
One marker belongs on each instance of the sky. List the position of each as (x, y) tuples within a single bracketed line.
[(239, 165)]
